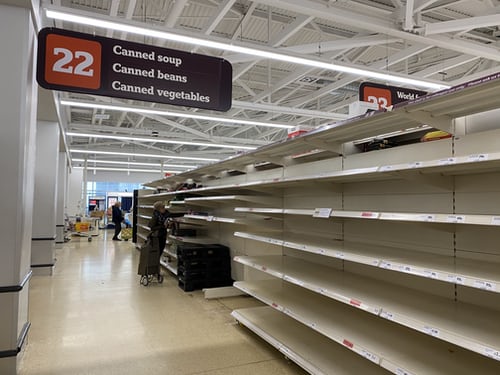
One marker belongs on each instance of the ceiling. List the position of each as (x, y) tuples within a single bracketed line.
[(435, 40)]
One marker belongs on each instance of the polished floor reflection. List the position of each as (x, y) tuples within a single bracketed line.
[(93, 317)]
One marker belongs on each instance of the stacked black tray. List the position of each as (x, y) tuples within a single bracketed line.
[(203, 266)]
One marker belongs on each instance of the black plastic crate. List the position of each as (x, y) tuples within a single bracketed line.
[(203, 274), (204, 263), (184, 232), (191, 285)]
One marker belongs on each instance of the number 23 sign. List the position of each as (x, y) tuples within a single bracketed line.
[(72, 62), (385, 96)]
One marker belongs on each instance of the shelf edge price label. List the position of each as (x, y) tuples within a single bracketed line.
[(495, 220), (386, 168), (447, 161), (492, 353), (457, 279), (400, 371), (485, 285), (323, 213), (458, 219), (370, 356), (427, 218), (416, 164), (431, 274), (477, 157), (385, 264), (431, 331), (387, 315)]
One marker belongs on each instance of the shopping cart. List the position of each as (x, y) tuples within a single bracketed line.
[(149, 261), (84, 227)]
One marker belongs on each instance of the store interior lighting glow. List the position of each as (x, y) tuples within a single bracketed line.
[(153, 156), (266, 54), (115, 107), (157, 140), (135, 163), (125, 170)]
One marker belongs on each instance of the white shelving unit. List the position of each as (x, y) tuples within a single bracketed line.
[(390, 346), (312, 351), (389, 258), (462, 324), (479, 274)]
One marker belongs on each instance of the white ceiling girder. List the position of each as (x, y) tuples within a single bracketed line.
[(287, 110), (161, 133), (290, 29), (394, 59), (379, 25), (408, 22), (218, 15), (341, 44), (420, 5), (447, 64), (462, 24), (175, 12), (113, 12), (326, 46)]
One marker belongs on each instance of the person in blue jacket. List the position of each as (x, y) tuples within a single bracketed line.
[(117, 218)]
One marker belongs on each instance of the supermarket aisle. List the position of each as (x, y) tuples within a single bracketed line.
[(93, 317)]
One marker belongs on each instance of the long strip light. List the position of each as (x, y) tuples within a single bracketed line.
[(125, 170), (94, 20), (154, 156), (157, 140), (92, 161), (117, 107)]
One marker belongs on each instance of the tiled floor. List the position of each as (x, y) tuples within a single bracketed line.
[(93, 317)]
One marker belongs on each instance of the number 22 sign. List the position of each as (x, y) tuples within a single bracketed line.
[(72, 62)]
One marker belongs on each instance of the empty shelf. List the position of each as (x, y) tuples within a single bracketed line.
[(466, 325), (310, 350), (391, 346), (473, 273)]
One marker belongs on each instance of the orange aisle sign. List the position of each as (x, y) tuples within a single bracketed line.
[(386, 96)]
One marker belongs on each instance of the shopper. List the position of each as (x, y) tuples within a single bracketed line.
[(117, 218), (158, 223)]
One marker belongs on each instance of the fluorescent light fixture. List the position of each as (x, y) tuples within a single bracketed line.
[(94, 20), (125, 170), (117, 107), (154, 156), (157, 140), (92, 161)]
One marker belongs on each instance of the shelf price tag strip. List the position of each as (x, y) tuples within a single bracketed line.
[(323, 213)]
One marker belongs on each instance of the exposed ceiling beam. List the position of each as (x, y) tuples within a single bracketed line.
[(394, 59), (113, 12), (175, 12), (420, 5), (299, 22), (462, 24), (326, 46), (446, 64), (163, 134), (379, 25), (238, 32), (287, 110), (129, 14)]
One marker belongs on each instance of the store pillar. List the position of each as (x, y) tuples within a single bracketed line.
[(44, 208), (18, 102), (61, 198)]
